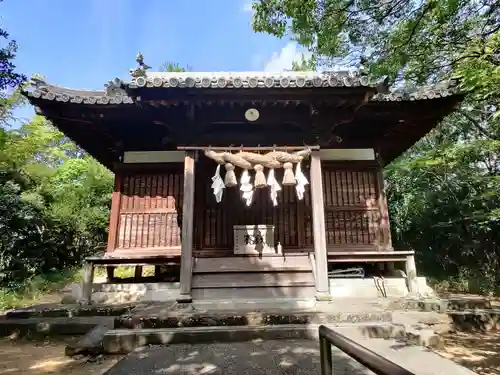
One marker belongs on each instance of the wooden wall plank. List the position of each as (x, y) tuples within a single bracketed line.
[(352, 211), (149, 210), (150, 204)]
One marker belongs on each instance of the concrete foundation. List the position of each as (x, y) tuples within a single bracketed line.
[(130, 292), (394, 287), (367, 288)]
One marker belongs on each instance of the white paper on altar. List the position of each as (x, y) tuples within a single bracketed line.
[(254, 239)]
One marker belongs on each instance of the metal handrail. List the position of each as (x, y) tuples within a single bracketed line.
[(371, 360)]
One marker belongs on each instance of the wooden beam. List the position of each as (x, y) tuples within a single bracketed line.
[(319, 232), (232, 148), (187, 228)]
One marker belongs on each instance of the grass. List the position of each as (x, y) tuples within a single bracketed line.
[(464, 285), (35, 289), (126, 272), (38, 288)]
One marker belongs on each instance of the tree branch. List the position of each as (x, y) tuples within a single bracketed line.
[(479, 127)]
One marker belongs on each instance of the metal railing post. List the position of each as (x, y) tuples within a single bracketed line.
[(325, 350), (371, 360)]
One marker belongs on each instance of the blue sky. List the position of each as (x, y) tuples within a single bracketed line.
[(85, 43)]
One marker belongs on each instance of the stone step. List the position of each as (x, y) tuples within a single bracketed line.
[(40, 327), (478, 319), (440, 304), (411, 355), (173, 319), (255, 304), (69, 311), (121, 341)]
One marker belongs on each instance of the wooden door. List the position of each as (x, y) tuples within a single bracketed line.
[(215, 221)]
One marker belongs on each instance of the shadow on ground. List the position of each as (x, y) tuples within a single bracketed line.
[(258, 357), (479, 352)]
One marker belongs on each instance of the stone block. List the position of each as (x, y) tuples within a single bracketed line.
[(90, 343), (424, 337)]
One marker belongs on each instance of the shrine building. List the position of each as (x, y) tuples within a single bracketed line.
[(247, 185)]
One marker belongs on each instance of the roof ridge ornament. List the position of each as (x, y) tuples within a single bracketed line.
[(141, 70), (115, 88)]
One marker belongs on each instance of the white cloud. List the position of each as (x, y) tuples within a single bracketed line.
[(247, 7), (283, 59)]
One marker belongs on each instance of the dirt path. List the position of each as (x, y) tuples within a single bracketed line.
[(479, 352), (41, 358)]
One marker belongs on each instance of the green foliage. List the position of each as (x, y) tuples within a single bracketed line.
[(444, 201), (54, 203), (173, 67), (304, 64), (444, 193), (416, 40), (9, 78), (37, 288), (479, 71)]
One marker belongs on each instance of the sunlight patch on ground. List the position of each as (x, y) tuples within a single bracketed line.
[(43, 358), (479, 352)]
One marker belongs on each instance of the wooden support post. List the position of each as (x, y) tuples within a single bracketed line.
[(87, 282), (318, 219), (187, 228), (138, 273), (411, 274), (114, 217), (385, 240), (110, 273)]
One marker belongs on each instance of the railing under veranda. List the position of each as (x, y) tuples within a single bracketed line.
[(371, 360)]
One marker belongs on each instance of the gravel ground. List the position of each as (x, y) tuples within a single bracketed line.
[(21, 357)]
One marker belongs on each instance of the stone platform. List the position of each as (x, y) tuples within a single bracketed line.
[(123, 328)]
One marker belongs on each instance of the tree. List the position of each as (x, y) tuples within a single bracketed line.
[(444, 193), (54, 198), (9, 78), (417, 41), (54, 202)]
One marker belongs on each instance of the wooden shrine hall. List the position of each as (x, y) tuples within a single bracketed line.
[(251, 184)]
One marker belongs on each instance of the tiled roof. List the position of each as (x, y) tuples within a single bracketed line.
[(43, 90), (228, 80), (119, 92), (440, 90)]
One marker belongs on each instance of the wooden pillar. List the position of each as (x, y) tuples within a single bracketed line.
[(385, 240), (114, 222), (187, 228), (318, 219), (114, 217)]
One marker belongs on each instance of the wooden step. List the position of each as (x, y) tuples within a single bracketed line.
[(252, 264), (250, 293), (230, 280)]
